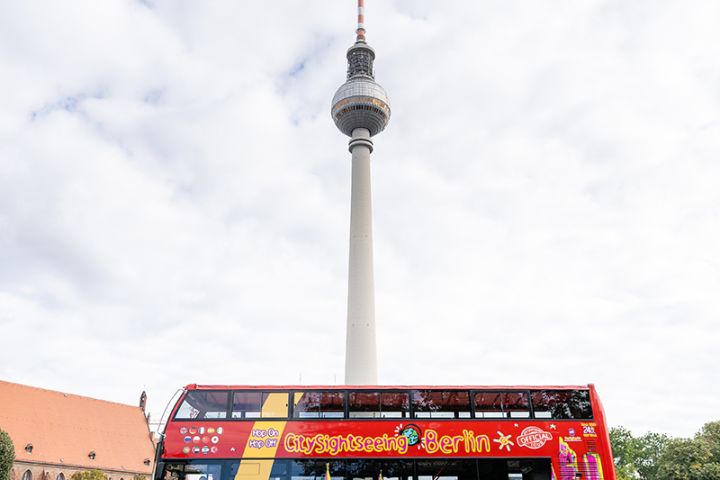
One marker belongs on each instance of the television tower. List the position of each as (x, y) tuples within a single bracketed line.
[(360, 109)]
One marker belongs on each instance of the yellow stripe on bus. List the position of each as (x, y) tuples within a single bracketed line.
[(264, 440)]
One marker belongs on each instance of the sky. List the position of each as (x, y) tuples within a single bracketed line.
[(174, 197)]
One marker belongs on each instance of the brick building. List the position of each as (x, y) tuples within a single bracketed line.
[(57, 434)]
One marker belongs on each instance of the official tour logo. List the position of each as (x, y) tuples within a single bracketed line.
[(533, 438)]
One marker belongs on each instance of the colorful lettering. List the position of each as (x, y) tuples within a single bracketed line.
[(334, 445), (450, 444)]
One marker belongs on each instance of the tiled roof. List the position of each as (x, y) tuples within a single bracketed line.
[(64, 428)]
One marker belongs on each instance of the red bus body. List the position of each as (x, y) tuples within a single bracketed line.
[(572, 449)]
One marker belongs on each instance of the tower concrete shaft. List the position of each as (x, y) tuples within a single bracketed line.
[(360, 348), (361, 110)]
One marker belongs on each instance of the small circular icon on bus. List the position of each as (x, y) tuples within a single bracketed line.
[(215, 439), (196, 439), (219, 430), (213, 449), (211, 430), (186, 450), (183, 430), (188, 439), (412, 433)]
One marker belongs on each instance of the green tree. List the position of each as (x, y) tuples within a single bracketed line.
[(692, 459), (651, 448), (7, 455), (710, 432), (686, 459), (637, 457), (625, 452), (88, 475)]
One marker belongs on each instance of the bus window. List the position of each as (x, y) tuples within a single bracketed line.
[(191, 471), (258, 470), (517, 404), (502, 405), (258, 404), (441, 404), (379, 404), (562, 404), (317, 469), (199, 404), (274, 405), (319, 405), (395, 469), (395, 405), (446, 470), (364, 404), (247, 404)]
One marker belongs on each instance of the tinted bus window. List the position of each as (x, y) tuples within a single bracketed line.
[(394, 469), (319, 405), (260, 405), (441, 404), (247, 404), (316, 469), (446, 470), (562, 404), (191, 471), (258, 470), (379, 404), (199, 404), (502, 405)]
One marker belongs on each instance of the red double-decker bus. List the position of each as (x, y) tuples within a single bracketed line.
[(385, 433)]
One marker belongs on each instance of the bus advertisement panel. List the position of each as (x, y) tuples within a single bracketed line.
[(495, 429)]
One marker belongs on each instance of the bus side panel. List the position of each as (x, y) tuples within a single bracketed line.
[(607, 464)]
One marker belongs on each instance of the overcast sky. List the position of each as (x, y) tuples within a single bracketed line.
[(174, 197)]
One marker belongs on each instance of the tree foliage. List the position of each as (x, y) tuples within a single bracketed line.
[(710, 433), (655, 456), (7, 455), (88, 475), (625, 453), (687, 459), (651, 448)]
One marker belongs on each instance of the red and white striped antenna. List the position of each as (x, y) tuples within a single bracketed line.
[(361, 21)]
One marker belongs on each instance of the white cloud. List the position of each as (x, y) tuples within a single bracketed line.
[(174, 197)]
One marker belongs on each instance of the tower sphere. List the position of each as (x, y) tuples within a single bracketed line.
[(360, 102)]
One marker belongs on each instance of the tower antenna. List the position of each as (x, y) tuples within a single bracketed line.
[(361, 21)]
